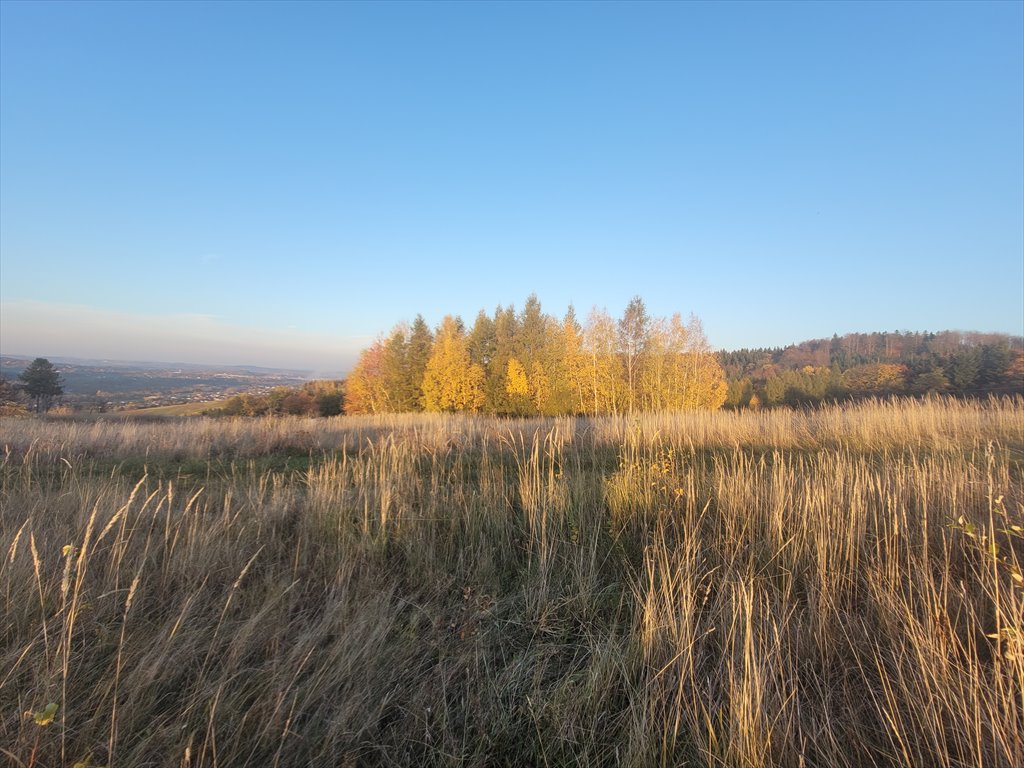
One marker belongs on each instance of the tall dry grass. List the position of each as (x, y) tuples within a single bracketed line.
[(838, 587)]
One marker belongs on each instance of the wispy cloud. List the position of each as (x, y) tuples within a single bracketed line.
[(41, 328)]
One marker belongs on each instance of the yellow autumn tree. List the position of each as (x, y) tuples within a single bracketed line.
[(365, 391), (452, 382), (603, 367), (517, 386), (565, 367), (653, 384), (516, 383), (540, 387), (574, 361), (696, 379)]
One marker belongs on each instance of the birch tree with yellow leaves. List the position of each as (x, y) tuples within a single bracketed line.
[(694, 376), (604, 367)]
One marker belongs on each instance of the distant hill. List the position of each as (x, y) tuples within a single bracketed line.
[(876, 364)]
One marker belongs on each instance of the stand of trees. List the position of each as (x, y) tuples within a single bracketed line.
[(529, 363), (876, 364), (323, 397)]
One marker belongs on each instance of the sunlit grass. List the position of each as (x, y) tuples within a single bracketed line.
[(836, 588)]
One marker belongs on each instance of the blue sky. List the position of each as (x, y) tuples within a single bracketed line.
[(279, 183)]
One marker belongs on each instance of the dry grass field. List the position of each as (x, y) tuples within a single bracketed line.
[(838, 587)]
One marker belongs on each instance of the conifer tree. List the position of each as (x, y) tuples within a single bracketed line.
[(421, 344), (41, 382), (397, 391), (482, 340)]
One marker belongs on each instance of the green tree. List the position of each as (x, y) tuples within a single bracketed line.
[(42, 383), (482, 340), (399, 395), (740, 393), (933, 380), (421, 344), (530, 335), (993, 364), (328, 396), (963, 368)]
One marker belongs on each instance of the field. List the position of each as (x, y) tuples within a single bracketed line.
[(182, 409), (837, 587)]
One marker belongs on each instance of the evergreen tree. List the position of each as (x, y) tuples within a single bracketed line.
[(531, 336), (963, 368), (399, 390), (421, 343), (482, 340), (993, 365), (42, 383)]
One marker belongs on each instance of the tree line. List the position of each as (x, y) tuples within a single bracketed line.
[(876, 364), (323, 397), (530, 363)]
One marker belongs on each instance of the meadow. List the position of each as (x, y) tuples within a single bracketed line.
[(830, 587)]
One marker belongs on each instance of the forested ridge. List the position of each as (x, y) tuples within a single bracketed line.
[(876, 364)]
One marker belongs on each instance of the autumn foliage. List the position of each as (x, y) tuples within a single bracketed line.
[(529, 363)]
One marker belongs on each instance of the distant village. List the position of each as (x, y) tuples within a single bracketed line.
[(101, 386)]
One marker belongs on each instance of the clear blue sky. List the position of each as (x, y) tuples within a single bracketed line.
[(283, 182)]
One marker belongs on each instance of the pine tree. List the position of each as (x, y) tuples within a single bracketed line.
[(421, 344), (482, 340), (396, 390), (41, 381)]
